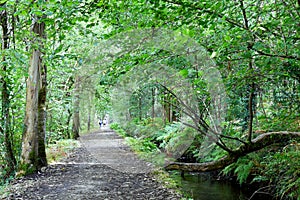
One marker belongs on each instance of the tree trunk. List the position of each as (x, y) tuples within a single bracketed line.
[(258, 143), (5, 116), (153, 102), (140, 108), (76, 119), (42, 159), (166, 107), (68, 124), (33, 141), (89, 112)]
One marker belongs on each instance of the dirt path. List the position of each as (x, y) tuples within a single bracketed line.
[(110, 149), (103, 168)]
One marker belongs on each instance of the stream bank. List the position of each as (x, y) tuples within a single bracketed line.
[(210, 186)]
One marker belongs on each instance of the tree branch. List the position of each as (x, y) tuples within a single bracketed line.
[(233, 138), (276, 55)]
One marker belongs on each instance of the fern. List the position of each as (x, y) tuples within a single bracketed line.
[(243, 171), (241, 168), (229, 169)]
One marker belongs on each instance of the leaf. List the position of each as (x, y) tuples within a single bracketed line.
[(184, 73), (214, 54), (3, 1)]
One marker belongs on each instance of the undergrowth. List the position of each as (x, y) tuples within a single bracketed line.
[(60, 149), (279, 170)]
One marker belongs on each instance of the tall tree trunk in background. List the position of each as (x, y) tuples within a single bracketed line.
[(89, 111), (153, 102), (5, 117), (251, 98), (76, 119), (140, 108), (167, 107), (67, 88), (33, 142), (69, 136), (89, 119)]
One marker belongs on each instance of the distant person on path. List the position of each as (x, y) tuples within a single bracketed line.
[(100, 123), (104, 122)]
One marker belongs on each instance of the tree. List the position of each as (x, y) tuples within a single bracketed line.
[(254, 43), (61, 19), (76, 118), (33, 156)]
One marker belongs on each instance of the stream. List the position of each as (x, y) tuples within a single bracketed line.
[(202, 187)]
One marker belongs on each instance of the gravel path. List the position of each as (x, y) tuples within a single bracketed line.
[(110, 149), (103, 168)]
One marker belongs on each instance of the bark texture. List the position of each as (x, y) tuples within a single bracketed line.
[(42, 96), (33, 155)]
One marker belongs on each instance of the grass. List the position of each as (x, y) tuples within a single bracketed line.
[(61, 149)]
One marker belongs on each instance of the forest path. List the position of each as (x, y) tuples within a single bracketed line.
[(110, 149), (102, 168)]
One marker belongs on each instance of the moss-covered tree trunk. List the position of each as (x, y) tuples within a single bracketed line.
[(76, 119), (89, 111), (260, 142), (33, 146), (42, 159)]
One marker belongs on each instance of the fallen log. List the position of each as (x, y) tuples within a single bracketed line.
[(260, 142)]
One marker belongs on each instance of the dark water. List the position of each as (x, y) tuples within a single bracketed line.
[(202, 187)]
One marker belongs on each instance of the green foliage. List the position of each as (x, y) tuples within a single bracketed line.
[(116, 127), (279, 169), (242, 169), (168, 134), (210, 152), (141, 145), (175, 139), (282, 170), (265, 51), (166, 179)]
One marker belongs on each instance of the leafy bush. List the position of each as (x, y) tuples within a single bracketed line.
[(141, 145), (282, 170), (118, 129)]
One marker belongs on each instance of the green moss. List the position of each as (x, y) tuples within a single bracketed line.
[(25, 169)]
